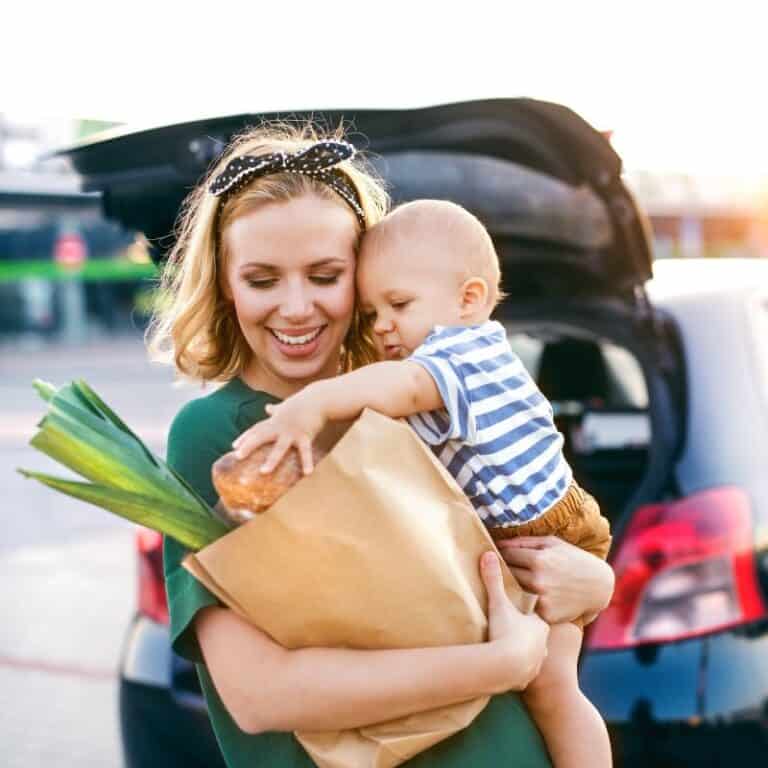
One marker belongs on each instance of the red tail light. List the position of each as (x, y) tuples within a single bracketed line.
[(683, 568), (152, 600)]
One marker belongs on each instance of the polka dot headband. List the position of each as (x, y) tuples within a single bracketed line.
[(317, 162)]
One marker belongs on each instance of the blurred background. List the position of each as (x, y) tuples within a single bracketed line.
[(679, 90)]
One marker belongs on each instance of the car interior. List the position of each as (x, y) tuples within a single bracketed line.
[(600, 404)]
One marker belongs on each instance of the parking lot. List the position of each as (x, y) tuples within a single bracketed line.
[(67, 569)]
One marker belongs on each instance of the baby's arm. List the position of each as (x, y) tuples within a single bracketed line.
[(394, 388)]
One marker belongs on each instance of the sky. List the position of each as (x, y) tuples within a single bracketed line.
[(682, 86)]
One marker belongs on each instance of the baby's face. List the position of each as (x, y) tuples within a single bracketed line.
[(406, 292)]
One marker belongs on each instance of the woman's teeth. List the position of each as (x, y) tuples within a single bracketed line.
[(296, 340)]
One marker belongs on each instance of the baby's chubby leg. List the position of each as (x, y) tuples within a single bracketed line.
[(572, 728)]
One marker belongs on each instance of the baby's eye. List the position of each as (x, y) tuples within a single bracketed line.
[(401, 304)]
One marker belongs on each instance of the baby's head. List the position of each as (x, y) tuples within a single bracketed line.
[(429, 262)]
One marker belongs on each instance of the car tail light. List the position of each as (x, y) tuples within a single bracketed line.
[(152, 600), (683, 568)]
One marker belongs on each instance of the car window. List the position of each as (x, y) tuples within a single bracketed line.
[(624, 385), (528, 349), (627, 376)]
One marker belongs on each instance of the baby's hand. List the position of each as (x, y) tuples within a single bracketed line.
[(290, 423)]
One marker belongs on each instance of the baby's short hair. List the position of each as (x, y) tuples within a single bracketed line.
[(462, 230)]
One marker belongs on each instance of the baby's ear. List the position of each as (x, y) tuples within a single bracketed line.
[(474, 296)]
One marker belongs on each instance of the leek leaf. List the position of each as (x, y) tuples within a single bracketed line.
[(193, 532)]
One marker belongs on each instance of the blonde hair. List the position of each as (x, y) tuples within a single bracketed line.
[(194, 326)]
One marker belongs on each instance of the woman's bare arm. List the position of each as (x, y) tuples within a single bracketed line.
[(268, 688)]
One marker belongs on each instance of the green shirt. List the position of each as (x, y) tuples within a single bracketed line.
[(502, 735)]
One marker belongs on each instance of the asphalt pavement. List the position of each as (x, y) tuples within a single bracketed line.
[(67, 569)]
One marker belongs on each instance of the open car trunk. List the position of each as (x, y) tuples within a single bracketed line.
[(573, 244), (614, 387)]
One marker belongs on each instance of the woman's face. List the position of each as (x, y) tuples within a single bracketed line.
[(290, 273)]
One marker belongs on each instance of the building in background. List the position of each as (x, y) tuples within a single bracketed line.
[(699, 216)]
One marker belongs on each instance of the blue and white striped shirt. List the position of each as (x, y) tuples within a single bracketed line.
[(496, 434)]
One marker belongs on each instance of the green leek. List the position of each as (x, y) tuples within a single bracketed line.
[(81, 432)]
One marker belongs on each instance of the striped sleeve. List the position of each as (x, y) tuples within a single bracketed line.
[(456, 420)]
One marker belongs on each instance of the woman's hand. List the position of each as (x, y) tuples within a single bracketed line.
[(569, 581), (294, 422), (519, 640)]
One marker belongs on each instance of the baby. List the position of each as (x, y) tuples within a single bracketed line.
[(428, 278)]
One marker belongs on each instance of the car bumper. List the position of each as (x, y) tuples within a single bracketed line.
[(702, 702)]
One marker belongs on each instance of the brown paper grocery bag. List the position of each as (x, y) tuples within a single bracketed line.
[(377, 548)]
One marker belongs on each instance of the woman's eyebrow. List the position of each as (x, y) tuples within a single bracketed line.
[(274, 267), (260, 265)]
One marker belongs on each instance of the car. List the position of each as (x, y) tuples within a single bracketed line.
[(658, 377)]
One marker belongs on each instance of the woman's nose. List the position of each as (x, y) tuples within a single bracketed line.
[(297, 303)]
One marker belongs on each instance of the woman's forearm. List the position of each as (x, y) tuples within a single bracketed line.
[(348, 689), (268, 688)]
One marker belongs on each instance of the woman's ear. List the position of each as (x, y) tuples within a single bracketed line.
[(474, 296)]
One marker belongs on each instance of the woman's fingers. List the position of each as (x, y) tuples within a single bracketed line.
[(528, 542), (524, 578), (517, 557), (490, 571)]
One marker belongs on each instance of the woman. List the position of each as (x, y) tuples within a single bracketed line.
[(261, 296)]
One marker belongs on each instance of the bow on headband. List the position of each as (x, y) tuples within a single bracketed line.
[(318, 161)]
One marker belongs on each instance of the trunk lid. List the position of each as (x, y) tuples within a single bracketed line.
[(546, 184)]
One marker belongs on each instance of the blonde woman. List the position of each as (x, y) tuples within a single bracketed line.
[(261, 297)]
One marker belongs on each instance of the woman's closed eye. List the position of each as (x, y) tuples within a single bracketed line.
[(264, 283)]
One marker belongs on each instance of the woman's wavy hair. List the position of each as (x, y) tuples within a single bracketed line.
[(193, 325)]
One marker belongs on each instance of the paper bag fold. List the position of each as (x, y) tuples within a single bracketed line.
[(377, 548)]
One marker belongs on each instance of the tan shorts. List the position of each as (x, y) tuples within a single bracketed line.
[(575, 518)]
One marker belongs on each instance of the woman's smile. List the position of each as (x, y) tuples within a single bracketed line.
[(297, 342)]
